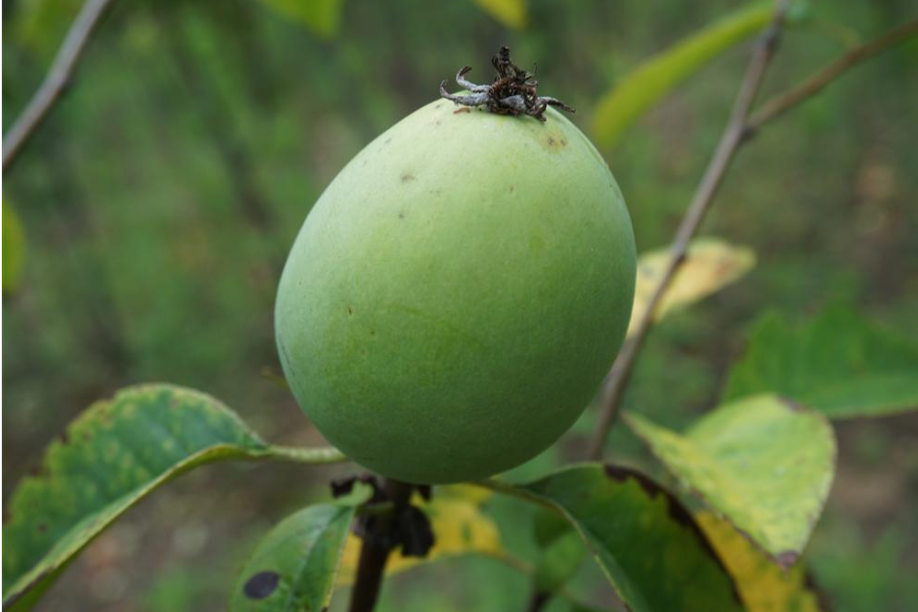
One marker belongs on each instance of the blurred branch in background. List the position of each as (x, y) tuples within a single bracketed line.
[(57, 80), (741, 127), (732, 138), (776, 106)]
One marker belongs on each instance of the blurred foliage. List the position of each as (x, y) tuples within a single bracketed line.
[(709, 265), (14, 246), (656, 76), (159, 200), (838, 363)]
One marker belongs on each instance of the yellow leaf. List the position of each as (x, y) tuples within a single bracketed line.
[(459, 527), (511, 13), (763, 586), (710, 265)]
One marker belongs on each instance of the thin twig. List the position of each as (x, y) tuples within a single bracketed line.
[(733, 136), (781, 103), (57, 79)]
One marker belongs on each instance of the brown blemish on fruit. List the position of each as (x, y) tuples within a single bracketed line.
[(407, 177)]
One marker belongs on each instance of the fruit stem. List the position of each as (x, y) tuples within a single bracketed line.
[(378, 542)]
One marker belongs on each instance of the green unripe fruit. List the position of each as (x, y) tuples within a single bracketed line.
[(457, 294)]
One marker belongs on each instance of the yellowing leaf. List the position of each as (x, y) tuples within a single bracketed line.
[(762, 462), (511, 13), (763, 586), (459, 527), (661, 73), (710, 265)]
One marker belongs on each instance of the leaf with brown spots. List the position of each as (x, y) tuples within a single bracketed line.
[(763, 463), (648, 545), (112, 456), (294, 566)]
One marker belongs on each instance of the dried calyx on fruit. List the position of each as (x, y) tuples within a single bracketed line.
[(513, 91)]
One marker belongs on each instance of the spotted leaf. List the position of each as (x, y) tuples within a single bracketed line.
[(764, 463), (294, 567), (110, 458)]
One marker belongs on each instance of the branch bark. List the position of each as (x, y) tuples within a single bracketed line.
[(777, 106), (375, 549), (59, 76), (731, 140)]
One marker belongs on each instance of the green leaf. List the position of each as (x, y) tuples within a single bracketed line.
[(294, 566), (558, 562), (764, 463), (111, 457), (14, 244), (511, 13), (763, 586), (838, 364), (321, 17), (710, 265), (653, 553), (661, 73)]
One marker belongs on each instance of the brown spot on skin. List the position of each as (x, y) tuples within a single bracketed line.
[(401, 214), (551, 141), (42, 527), (511, 188), (408, 177), (261, 585), (464, 109), (563, 142), (372, 333), (350, 310)]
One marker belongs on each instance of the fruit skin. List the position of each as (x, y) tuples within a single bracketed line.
[(456, 296)]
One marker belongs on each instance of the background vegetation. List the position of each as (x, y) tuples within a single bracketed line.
[(159, 201)]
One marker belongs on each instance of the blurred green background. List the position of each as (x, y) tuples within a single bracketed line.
[(159, 201)]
